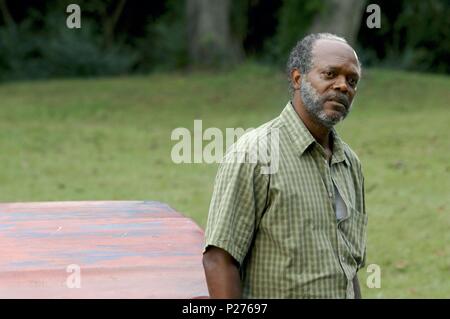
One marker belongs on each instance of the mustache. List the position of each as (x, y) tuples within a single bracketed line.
[(338, 97)]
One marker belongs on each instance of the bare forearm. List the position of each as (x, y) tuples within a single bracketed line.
[(224, 282), (222, 275)]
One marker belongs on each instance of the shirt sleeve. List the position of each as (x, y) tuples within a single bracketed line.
[(238, 201)]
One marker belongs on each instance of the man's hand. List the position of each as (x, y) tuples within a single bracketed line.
[(222, 274)]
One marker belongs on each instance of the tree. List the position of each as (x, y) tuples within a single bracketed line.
[(109, 12), (210, 42), (342, 18), (6, 14)]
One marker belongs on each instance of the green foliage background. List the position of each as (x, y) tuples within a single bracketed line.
[(415, 35)]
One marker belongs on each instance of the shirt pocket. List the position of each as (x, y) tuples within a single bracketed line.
[(353, 230), (345, 184)]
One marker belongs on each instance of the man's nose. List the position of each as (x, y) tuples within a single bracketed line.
[(341, 84)]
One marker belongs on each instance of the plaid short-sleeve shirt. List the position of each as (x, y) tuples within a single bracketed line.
[(280, 224)]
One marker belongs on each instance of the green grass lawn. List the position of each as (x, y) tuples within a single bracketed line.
[(109, 139)]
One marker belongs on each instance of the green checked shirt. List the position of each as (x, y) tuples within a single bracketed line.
[(274, 212)]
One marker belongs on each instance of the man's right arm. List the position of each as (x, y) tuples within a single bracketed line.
[(237, 204), (222, 274)]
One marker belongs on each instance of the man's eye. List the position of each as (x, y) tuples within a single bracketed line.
[(352, 82), (329, 74)]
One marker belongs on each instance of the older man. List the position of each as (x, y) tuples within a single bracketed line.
[(299, 231)]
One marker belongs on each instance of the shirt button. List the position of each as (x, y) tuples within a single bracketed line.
[(330, 195)]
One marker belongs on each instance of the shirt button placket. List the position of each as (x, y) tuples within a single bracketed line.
[(330, 183)]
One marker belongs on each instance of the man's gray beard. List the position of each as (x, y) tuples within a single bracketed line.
[(314, 104)]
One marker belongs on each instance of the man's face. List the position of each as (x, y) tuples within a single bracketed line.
[(327, 91)]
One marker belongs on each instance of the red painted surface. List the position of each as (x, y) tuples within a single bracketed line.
[(125, 249)]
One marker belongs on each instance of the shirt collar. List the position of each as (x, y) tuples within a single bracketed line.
[(338, 149), (302, 138)]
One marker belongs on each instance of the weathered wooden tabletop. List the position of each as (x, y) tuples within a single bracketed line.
[(110, 249)]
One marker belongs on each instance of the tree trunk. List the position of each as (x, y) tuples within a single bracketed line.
[(210, 42), (109, 21), (6, 14), (341, 17)]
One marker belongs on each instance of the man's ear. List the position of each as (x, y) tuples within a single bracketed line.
[(296, 79)]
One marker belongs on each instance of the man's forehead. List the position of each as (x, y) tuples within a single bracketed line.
[(334, 52)]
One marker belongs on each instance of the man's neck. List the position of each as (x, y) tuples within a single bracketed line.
[(320, 133)]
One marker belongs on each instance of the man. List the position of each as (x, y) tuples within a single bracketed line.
[(299, 231)]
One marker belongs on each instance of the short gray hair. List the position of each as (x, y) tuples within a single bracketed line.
[(301, 55)]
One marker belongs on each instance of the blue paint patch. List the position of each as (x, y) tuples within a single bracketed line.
[(148, 231), (97, 213), (94, 256), (124, 226), (5, 226), (28, 263), (28, 234)]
